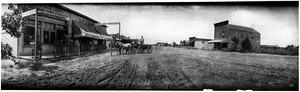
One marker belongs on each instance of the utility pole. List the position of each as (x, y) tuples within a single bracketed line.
[(119, 35)]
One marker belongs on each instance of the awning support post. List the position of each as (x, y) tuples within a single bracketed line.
[(35, 35)]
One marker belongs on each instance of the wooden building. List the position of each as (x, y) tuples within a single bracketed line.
[(61, 31), (224, 32)]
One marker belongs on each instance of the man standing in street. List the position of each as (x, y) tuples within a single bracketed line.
[(141, 40)]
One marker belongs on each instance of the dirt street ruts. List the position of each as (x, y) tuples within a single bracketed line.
[(165, 68)]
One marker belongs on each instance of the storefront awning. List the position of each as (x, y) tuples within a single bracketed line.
[(218, 41), (89, 31)]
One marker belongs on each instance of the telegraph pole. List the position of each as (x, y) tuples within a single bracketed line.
[(119, 35)]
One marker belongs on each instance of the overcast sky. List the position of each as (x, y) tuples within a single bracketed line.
[(168, 23)]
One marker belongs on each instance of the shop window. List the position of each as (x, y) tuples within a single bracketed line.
[(48, 26), (46, 37), (52, 38), (29, 35), (51, 26), (45, 25), (223, 34), (49, 33)]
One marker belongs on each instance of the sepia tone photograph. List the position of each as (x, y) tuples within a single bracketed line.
[(225, 45)]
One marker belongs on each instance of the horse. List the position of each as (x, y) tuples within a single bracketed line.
[(124, 46), (115, 46)]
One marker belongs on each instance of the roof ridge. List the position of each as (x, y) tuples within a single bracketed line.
[(247, 29)]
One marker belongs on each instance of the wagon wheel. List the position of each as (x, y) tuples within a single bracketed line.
[(140, 50), (133, 50)]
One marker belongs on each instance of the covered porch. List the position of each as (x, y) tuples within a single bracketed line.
[(219, 43)]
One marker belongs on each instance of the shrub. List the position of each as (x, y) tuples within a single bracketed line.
[(246, 45), (6, 50), (232, 49), (289, 50)]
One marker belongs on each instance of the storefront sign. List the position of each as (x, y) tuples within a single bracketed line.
[(30, 12), (111, 23), (46, 9)]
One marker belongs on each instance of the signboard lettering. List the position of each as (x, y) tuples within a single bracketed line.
[(30, 12)]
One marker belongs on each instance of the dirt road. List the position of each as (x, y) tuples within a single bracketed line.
[(166, 68)]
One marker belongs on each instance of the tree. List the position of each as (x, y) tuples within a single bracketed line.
[(246, 45), (13, 24), (174, 44), (235, 42), (294, 50)]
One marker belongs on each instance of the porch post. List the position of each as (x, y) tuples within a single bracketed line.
[(69, 35), (35, 36), (79, 47)]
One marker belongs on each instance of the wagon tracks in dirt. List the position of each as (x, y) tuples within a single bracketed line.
[(167, 74), (121, 77)]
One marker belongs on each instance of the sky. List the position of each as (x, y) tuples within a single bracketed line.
[(168, 23)]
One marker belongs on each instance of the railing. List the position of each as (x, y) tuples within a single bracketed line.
[(62, 50)]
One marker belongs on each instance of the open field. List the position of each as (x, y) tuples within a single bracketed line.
[(164, 68)]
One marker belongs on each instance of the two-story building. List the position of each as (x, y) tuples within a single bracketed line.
[(225, 32), (61, 31)]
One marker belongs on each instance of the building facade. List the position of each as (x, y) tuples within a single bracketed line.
[(225, 32), (61, 31), (200, 43)]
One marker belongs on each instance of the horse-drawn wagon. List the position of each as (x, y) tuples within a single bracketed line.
[(131, 46)]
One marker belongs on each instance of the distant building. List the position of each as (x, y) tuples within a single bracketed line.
[(224, 32), (200, 43), (161, 44)]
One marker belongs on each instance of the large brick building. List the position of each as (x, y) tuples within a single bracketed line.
[(224, 32)]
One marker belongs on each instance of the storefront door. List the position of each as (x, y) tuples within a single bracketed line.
[(49, 33)]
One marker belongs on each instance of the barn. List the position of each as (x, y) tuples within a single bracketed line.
[(225, 32)]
